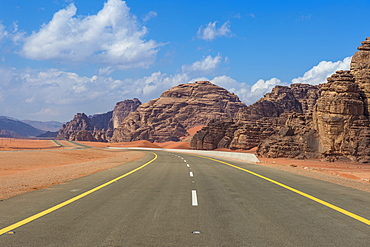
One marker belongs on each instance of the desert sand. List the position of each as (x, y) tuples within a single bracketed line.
[(24, 171), (19, 144), (49, 164)]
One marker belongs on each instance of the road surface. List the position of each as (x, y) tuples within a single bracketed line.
[(171, 199)]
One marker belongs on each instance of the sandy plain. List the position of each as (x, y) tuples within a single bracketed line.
[(23, 170), (27, 165)]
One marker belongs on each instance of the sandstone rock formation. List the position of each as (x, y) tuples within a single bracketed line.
[(331, 121), (79, 122), (339, 126), (102, 121), (122, 109), (360, 69), (178, 109), (98, 127), (336, 129), (258, 121)]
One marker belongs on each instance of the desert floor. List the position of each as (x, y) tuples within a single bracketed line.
[(27, 165)]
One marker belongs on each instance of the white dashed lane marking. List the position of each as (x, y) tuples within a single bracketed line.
[(194, 198)]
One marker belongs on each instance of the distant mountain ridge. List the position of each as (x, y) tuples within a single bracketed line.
[(15, 128), (51, 126)]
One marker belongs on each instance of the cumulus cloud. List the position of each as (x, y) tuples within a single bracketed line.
[(31, 93), (206, 65), (57, 95), (210, 32), (112, 37), (246, 93), (323, 70)]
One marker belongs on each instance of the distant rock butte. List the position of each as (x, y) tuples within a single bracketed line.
[(80, 122), (98, 127), (178, 109)]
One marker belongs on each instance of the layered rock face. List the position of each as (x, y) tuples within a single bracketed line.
[(122, 109), (338, 107), (102, 121), (360, 69), (98, 127), (336, 129), (79, 122), (339, 126), (178, 109), (258, 121)]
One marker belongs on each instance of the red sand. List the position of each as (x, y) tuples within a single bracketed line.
[(24, 171), (142, 144), (351, 170), (12, 143), (174, 145), (194, 130)]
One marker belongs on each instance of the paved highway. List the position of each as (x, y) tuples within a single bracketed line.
[(169, 199)]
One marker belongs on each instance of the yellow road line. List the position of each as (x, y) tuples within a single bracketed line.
[(47, 211), (329, 205)]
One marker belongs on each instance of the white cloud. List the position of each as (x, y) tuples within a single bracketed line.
[(150, 15), (57, 95), (210, 32), (265, 85), (323, 70), (29, 92), (248, 94), (3, 32), (206, 65), (112, 37)]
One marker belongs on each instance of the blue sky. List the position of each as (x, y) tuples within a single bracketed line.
[(61, 57)]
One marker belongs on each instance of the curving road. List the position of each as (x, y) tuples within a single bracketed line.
[(170, 199)]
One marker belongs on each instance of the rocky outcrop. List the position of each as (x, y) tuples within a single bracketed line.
[(360, 69), (98, 127), (297, 139), (339, 105), (82, 135), (258, 121), (79, 122), (102, 121), (178, 109), (218, 134), (338, 127), (122, 109)]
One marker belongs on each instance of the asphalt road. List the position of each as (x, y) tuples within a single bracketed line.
[(184, 200)]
